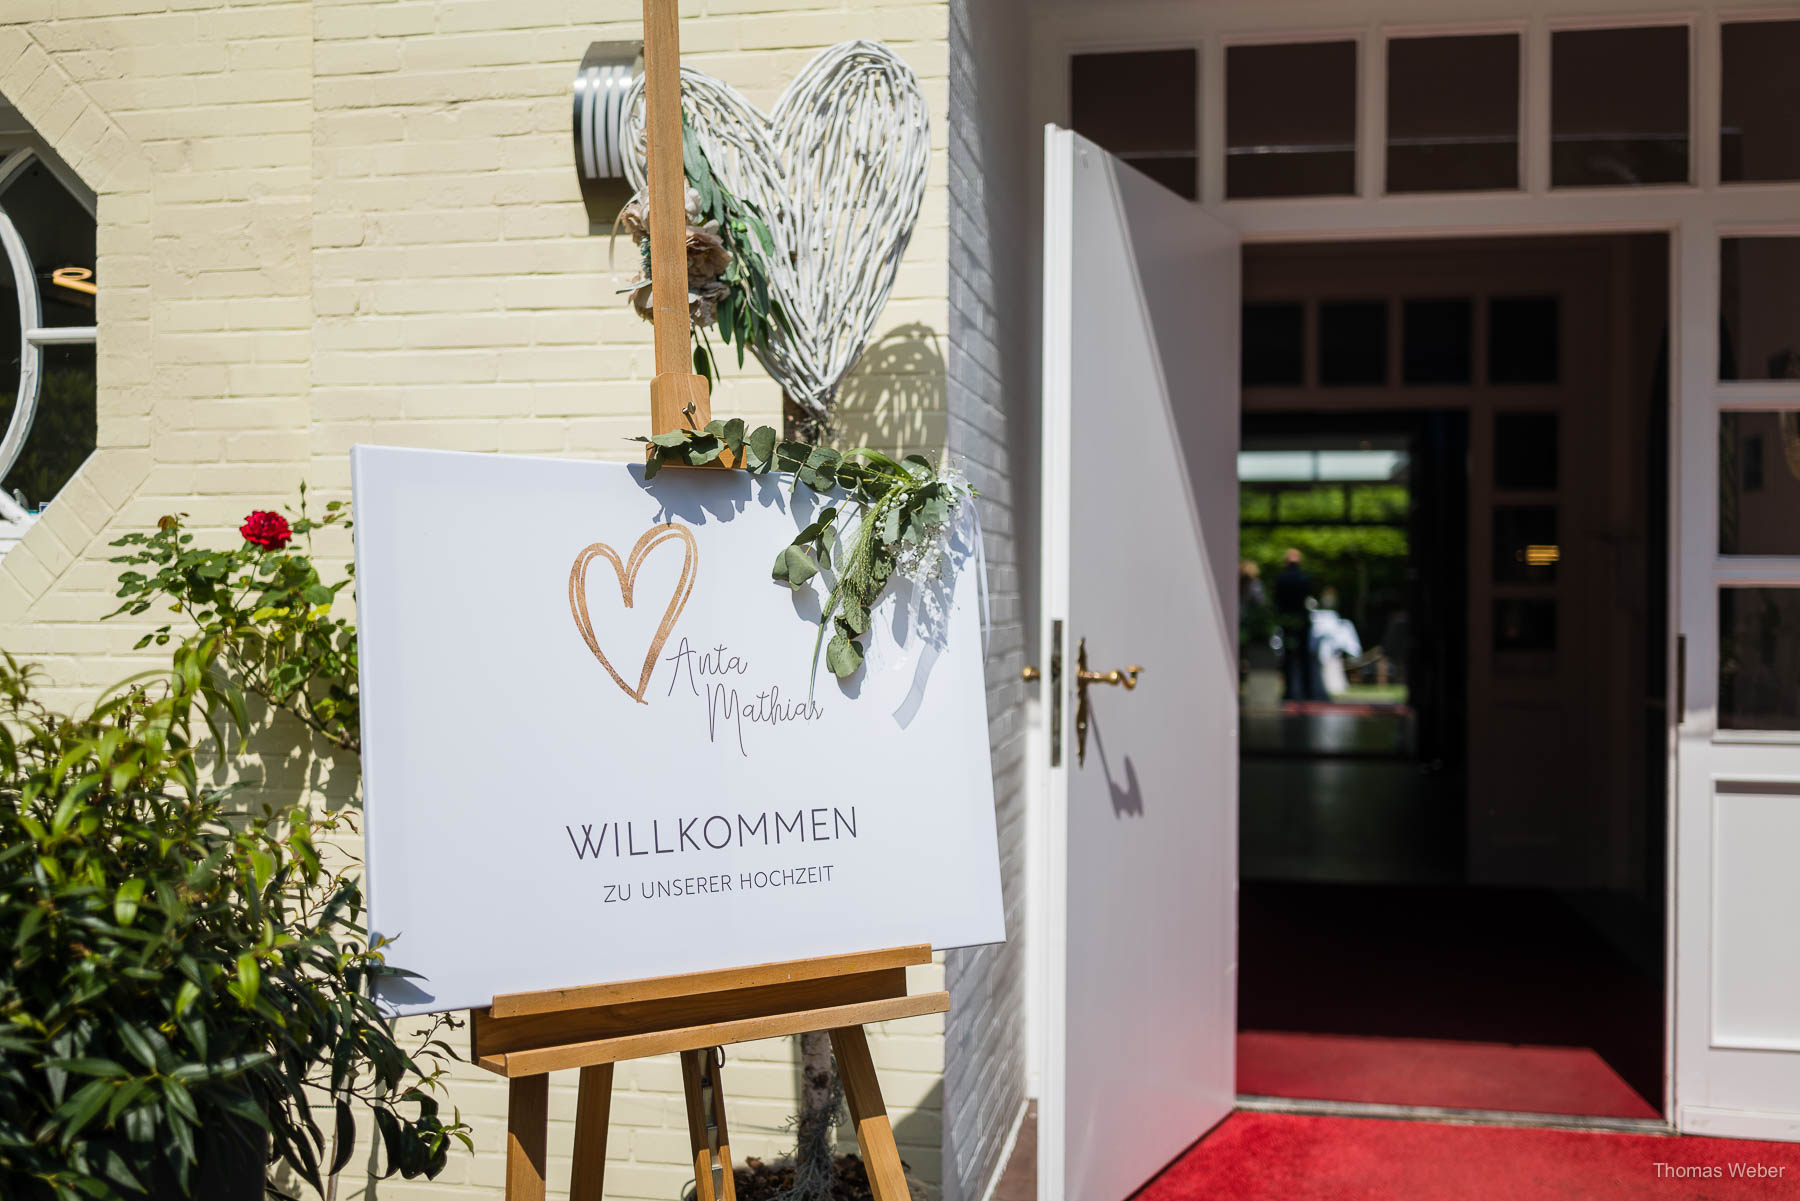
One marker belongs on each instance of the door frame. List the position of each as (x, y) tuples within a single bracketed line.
[(1695, 217)]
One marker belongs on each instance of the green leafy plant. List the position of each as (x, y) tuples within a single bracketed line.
[(183, 980), (898, 511), (264, 606)]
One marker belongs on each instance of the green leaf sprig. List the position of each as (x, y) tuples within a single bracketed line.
[(749, 310), (901, 505)]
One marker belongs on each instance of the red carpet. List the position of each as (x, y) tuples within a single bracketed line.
[(1291, 1157), (1424, 1071)]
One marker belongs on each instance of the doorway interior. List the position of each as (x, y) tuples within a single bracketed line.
[(1453, 488)]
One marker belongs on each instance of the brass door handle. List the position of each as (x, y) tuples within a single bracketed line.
[(1127, 679), (1029, 674)]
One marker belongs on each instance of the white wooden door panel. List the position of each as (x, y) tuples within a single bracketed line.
[(1141, 434), (1736, 1068)]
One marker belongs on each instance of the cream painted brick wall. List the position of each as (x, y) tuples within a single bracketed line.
[(332, 221), (992, 426)]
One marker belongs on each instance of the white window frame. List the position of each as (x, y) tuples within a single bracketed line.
[(33, 335), (1695, 216)]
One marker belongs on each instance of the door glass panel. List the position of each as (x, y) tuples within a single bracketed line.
[(1453, 113), (1142, 106), (1326, 593), (1524, 343), (1525, 446), (1290, 120), (1759, 308), (1759, 139), (1524, 624), (1352, 342), (1274, 352), (1759, 483), (1619, 106), (1759, 659), (1438, 339), (1525, 546)]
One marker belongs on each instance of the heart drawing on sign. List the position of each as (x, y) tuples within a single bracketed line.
[(627, 571), (838, 173)]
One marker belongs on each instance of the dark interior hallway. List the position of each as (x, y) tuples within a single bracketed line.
[(1454, 980)]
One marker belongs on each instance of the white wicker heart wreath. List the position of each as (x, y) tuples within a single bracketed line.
[(838, 173)]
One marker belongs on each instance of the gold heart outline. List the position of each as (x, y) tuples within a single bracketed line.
[(627, 571)]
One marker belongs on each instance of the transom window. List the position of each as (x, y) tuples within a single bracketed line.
[(1620, 111)]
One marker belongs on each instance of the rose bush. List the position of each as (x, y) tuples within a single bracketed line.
[(266, 607)]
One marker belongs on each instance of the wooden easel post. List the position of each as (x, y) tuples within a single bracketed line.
[(526, 1036), (678, 398)]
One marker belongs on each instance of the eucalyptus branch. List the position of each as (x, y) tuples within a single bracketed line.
[(902, 508)]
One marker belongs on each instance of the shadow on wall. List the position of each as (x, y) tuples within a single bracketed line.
[(893, 399)]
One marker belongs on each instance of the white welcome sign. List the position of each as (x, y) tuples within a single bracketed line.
[(592, 751)]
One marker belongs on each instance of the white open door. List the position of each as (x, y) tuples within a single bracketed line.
[(1140, 410), (1737, 829)]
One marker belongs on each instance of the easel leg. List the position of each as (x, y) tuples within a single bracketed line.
[(527, 1132), (707, 1134), (593, 1109), (874, 1135)]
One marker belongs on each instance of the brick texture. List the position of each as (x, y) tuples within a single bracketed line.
[(991, 429), (332, 221)]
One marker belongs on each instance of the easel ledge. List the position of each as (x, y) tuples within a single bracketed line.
[(525, 1036)]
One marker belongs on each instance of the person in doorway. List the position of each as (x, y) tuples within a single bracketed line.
[(1293, 588)]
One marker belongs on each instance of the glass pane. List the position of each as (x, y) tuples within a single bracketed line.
[(1380, 503), (1326, 588), (1290, 120), (59, 234), (1525, 546), (1759, 483), (1143, 107), (1439, 341), (1352, 342), (62, 433), (1322, 502), (1524, 346), (1759, 308), (1619, 106), (1453, 113), (1759, 659), (1759, 137), (1525, 451), (1274, 352), (1524, 624)]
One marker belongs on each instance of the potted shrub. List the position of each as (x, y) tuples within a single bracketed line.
[(186, 989)]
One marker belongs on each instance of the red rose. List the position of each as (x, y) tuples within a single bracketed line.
[(267, 530)]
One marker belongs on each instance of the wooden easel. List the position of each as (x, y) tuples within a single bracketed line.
[(526, 1036)]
